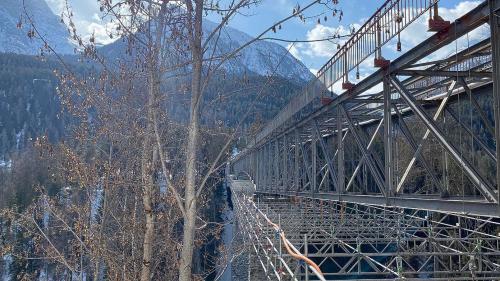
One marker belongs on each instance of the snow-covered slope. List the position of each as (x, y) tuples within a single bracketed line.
[(14, 40), (261, 57)]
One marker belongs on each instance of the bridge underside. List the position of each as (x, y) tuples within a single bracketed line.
[(396, 183), (361, 242)]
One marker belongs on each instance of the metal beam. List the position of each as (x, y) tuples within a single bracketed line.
[(389, 181), (479, 110), (440, 109), (495, 47), (459, 28), (340, 154), (457, 205), (442, 73), (331, 168), (363, 158), (367, 155), (409, 137)]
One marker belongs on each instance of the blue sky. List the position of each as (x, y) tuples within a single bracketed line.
[(258, 18)]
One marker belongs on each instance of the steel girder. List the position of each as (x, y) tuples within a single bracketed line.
[(290, 116)]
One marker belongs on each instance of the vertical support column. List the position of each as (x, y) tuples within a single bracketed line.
[(445, 160), (252, 165), (270, 168), (285, 163), (314, 156), (306, 252), (340, 155), (388, 138), (276, 164), (262, 182), (495, 47), (296, 160), (249, 273), (267, 168), (378, 38), (261, 168), (257, 171), (365, 179)]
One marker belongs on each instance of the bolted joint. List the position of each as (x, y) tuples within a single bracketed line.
[(381, 62), (347, 86), (437, 23)]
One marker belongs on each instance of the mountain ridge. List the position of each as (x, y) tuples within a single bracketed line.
[(261, 57), (15, 38)]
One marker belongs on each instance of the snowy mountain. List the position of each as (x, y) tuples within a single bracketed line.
[(15, 40), (261, 57)]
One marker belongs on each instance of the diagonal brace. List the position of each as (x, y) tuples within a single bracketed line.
[(476, 178), (329, 162), (409, 137), (440, 109), (371, 165)]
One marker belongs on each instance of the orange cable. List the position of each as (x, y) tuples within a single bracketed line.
[(296, 255)]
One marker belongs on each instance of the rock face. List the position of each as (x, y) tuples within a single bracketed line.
[(15, 40)]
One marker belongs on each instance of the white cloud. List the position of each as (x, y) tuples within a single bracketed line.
[(293, 49), (410, 37), (100, 32), (417, 32), (322, 48), (86, 16)]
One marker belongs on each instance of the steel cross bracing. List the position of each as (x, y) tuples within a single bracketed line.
[(367, 242), (427, 141)]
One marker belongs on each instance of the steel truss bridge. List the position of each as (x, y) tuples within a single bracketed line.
[(398, 184)]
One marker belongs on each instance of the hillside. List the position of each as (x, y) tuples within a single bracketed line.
[(29, 106)]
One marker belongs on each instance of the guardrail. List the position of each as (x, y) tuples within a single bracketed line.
[(390, 19)]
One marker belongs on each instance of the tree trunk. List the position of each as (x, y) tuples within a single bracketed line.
[(147, 169), (149, 229), (190, 192), (185, 267)]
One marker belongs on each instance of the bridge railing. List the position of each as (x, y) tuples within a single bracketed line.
[(386, 23)]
